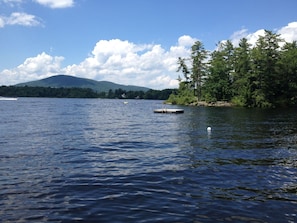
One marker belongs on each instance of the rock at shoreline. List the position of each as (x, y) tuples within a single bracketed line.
[(212, 104)]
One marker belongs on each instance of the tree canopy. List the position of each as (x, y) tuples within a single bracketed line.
[(264, 75)]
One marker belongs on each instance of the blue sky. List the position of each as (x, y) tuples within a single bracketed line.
[(126, 41)]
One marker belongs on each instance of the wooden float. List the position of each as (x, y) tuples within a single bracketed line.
[(169, 110), (7, 99)]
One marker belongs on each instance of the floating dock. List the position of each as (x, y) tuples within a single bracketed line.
[(169, 110), (7, 99)]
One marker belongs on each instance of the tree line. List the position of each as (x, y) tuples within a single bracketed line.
[(75, 92), (263, 75)]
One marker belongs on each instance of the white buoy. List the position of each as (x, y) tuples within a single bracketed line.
[(208, 129)]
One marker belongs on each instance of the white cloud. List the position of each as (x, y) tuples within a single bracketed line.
[(128, 63), (123, 62), (253, 37), (12, 3), (19, 18), (33, 68), (243, 33), (56, 3), (2, 22), (238, 35), (288, 33), (25, 19), (186, 41), (113, 60), (48, 3)]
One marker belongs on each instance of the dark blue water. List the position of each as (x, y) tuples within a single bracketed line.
[(93, 160)]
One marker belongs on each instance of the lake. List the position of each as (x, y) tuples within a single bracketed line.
[(100, 160)]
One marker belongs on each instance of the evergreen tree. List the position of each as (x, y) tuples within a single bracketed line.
[(261, 76), (218, 83), (288, 75), (265, 58), (182, 66), (242, 80), (193, 76), (199, 67)]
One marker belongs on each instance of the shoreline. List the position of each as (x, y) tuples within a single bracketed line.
[(212, 104), (209, 104)]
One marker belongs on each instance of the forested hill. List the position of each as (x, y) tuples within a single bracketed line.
[(75, 92), (67, 81), (63, 86), (53, 89)]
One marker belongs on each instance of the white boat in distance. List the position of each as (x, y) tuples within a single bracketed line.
[(7, 99)]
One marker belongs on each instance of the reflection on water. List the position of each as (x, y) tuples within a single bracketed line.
[(68, 160)]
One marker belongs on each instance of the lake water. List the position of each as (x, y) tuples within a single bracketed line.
[(96, 160)]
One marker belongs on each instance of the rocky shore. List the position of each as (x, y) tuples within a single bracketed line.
[(208, 104), (212, 104)]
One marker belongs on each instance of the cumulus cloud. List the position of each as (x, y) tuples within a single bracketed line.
[(128, 63), (56, 3), (124, 62), (115, 60), (186, 41), (238, 35), (288, 33), (19, 18), (33, 68), (253, 37), (243, 33), (25, 19), (48, 3)]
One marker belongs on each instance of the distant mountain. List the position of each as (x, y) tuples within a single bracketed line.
[(67, 81)]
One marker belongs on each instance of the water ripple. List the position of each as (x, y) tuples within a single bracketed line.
[(74, 160)]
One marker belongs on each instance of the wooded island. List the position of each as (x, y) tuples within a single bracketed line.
[(263, 75)]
